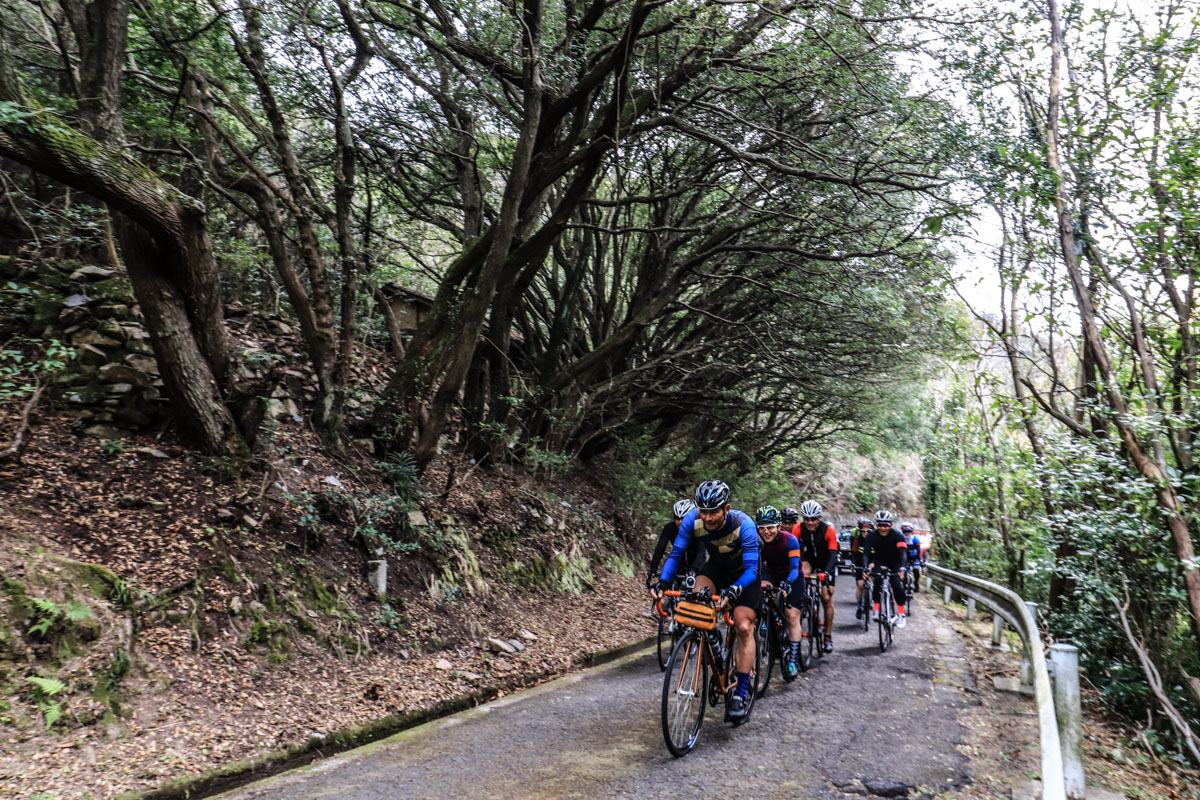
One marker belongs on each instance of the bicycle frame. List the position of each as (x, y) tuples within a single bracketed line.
[(719, 667)]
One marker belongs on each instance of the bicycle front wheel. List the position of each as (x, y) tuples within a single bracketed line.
[(767, 648), (807, 642), (885, 623), (816, 637), (685, 694)]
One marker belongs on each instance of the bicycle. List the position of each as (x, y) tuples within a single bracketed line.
[(910, 585), (700, 670), (668, 629), (864, 602), (772, 635), (887, 608), (814, 631)]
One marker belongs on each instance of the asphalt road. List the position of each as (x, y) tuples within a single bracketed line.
[(860, 724)]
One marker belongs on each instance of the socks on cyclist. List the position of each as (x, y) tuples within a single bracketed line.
[(877, 608), (900, 609), (795, 647), (743, 683)]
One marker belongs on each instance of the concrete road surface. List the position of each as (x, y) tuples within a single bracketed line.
[(860, 723)]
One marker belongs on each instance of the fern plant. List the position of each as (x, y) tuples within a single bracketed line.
[(47, 612), (45, 695)]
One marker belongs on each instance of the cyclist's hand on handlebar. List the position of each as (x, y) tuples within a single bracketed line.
[(785, 588), (729, 594), (659, 588)]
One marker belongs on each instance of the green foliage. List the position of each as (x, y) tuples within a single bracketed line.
[(47, 613), (387, 617), (25, 362), (46, 696), (401, 470), (117, 669)]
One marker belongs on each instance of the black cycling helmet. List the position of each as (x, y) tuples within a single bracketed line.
[(712, 495), (906, 528), (767, 515), (790, 514)]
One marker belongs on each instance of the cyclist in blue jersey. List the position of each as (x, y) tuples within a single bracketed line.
[(731, 539), (779, 557), (914, 555)]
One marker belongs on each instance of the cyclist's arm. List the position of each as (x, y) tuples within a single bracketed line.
[(831, 545), (664, 536), (749, 536), (679, 549), (903, 548), (793, 551)]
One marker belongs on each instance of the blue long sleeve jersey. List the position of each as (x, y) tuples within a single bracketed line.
[(914, 552), (736, 543)]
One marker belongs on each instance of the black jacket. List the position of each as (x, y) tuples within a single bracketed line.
[(886, 550), (694, 557)]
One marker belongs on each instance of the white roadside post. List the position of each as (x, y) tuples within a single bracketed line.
[(970, 608), (997, 630), (1069, 712), (946, 595)]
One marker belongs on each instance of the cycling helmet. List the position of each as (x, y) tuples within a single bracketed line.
[(767, 515), (883, 515), (791, 515), (863, 521), (682, 507), (906, 528), (810, 509), (712, 495)]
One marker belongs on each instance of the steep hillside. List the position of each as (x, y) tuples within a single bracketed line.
[(163, 614)]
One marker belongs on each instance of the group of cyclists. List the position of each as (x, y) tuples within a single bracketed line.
[(734, 556)]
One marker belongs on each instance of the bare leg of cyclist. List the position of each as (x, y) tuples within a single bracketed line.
[(827, 598), (743, 622)]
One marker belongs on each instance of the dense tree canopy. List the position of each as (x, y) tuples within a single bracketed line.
[(708, 220)]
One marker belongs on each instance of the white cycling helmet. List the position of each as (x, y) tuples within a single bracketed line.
[(883, 515), (682, 507), (810, 509)]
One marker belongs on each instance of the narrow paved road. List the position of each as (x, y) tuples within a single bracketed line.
[(860, 724)]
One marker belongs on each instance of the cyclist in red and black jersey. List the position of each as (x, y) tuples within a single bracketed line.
[(819, 548)]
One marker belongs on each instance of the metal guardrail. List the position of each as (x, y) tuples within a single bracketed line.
[(1009, 605)]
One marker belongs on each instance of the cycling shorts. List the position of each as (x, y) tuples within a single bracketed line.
[(725, 577)]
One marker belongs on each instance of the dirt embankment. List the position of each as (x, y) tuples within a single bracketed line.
[(165, 614)]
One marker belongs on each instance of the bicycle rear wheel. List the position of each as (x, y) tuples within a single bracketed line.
[(685, 694), (666, 640), (755, 675)]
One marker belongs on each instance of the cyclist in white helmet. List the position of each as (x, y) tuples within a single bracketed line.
[(819, 546), (696, 554), (886, 548)]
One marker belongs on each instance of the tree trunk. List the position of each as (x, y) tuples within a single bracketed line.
[(1136, 455)]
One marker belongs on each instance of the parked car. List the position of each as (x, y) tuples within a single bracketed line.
[(844, 564)]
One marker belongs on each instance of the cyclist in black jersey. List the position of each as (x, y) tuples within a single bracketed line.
[(819, 545), (857, 540), (694, 557), (886, 548)]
